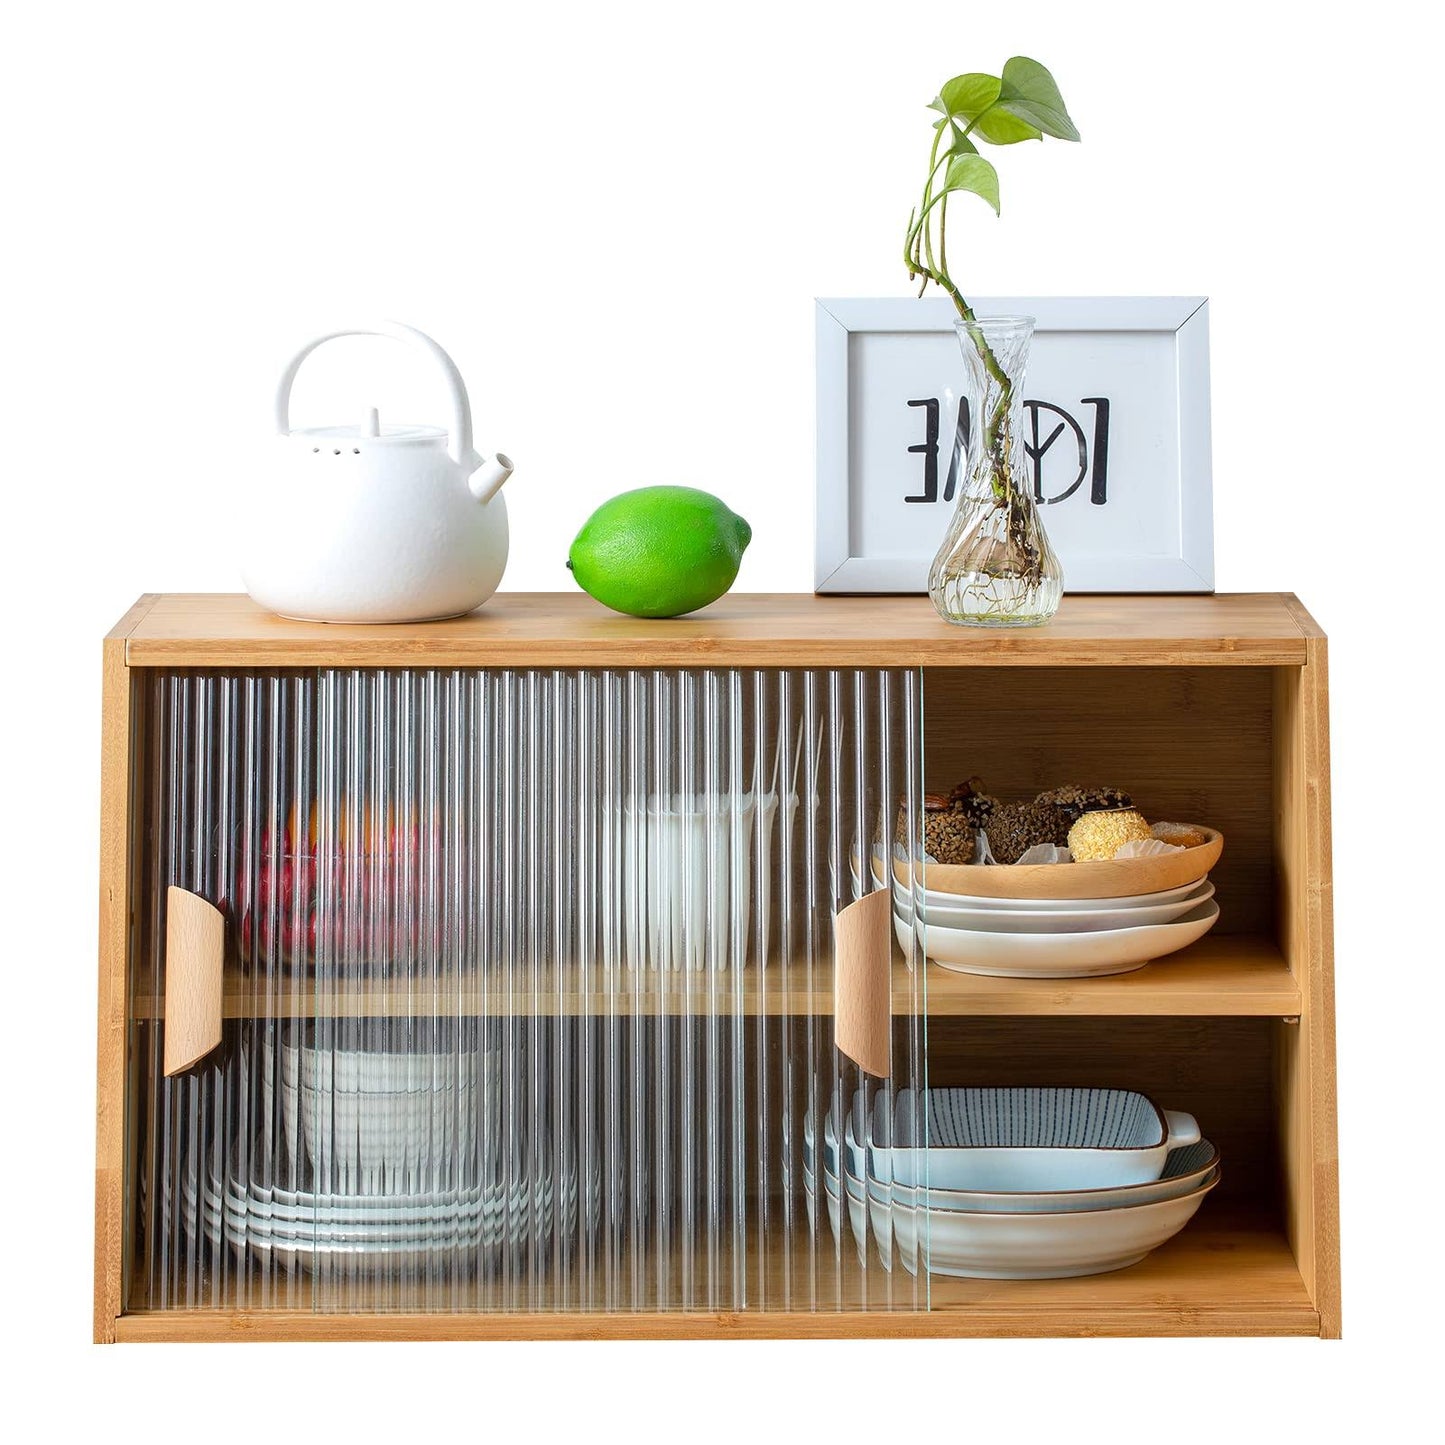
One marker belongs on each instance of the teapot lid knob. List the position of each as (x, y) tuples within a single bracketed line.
[(371, 427)]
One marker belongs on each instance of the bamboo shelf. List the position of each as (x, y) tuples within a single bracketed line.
[(546, 629), (1226, 1275), (1226, 974), (1208, 708)]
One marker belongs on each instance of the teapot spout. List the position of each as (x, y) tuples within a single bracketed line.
[(488, 478)]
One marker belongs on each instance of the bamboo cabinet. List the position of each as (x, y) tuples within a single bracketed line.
[(485, 979)]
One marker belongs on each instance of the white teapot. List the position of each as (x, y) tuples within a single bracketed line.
[(376, 523)]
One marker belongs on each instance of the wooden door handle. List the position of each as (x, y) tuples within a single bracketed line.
[(195, 956), (863, 982)]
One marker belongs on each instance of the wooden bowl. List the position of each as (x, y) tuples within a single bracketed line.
[(1109, 878)]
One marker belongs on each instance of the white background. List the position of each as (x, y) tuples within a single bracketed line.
[(617, 217)]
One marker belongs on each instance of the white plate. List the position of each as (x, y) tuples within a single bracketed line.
[(256, 1208), (495, 1226), (1185, 1170), (1040, 1246), (1058, 920), (1056, 955), (303, 1241)]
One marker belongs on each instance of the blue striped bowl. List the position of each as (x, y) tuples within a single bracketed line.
[(1032, 1140)]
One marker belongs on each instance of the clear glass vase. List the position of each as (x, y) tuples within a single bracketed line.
[(996, 567)]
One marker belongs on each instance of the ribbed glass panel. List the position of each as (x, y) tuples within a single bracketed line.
[(529, 995)]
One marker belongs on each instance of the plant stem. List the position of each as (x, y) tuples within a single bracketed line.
[(918, 256)]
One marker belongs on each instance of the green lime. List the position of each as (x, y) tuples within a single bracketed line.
[(659, 551)]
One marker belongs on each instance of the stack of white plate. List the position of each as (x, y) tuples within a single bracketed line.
[(1025, 1183), (362, 1159), (308, 1228), (1036, 1183), (1054, 937)]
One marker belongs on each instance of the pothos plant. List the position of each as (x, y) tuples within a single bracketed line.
[(1021, 104)]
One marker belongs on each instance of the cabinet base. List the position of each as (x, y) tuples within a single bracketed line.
[(1229, 1276)]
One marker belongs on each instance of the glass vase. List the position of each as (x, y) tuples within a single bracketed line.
[(996, 567)]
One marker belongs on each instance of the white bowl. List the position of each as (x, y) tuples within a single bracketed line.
[(1033, 1140), (1040, 1246), (1057, 920), (687, 866), (364, 1111), (1055, 955), (1184, 1171), (929, 898), (382, 1070)]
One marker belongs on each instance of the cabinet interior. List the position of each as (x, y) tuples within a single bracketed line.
[(1191, 744), (1197, 744)]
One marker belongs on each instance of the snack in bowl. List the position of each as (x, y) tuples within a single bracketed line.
[(1092, 821), (976, 805), (1074, 800), (948, 836), (1014, 828), (1098, 836)]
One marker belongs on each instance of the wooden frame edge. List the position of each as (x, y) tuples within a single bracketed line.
[(113, 962), (217, 1326), (1319, 998), (133, 616), (114, 943), (1306, 1065)]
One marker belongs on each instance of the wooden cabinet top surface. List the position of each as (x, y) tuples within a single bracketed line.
[(566, 629)]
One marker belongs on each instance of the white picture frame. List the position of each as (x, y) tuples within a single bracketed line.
[(1146, 521)]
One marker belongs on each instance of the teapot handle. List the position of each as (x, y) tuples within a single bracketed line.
[(459, 431)]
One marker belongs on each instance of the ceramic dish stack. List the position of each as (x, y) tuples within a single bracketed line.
[(1061, 920), (362, 1160), (311, 1229), (1036, 1183)]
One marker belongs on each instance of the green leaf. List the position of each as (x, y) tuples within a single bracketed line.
[(969, 95), (961, 146), (1003, 128), (1029, 93), (971, 98), (972, 173)]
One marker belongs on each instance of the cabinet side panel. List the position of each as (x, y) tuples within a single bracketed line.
[(115, 837), (1306, 1051)]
